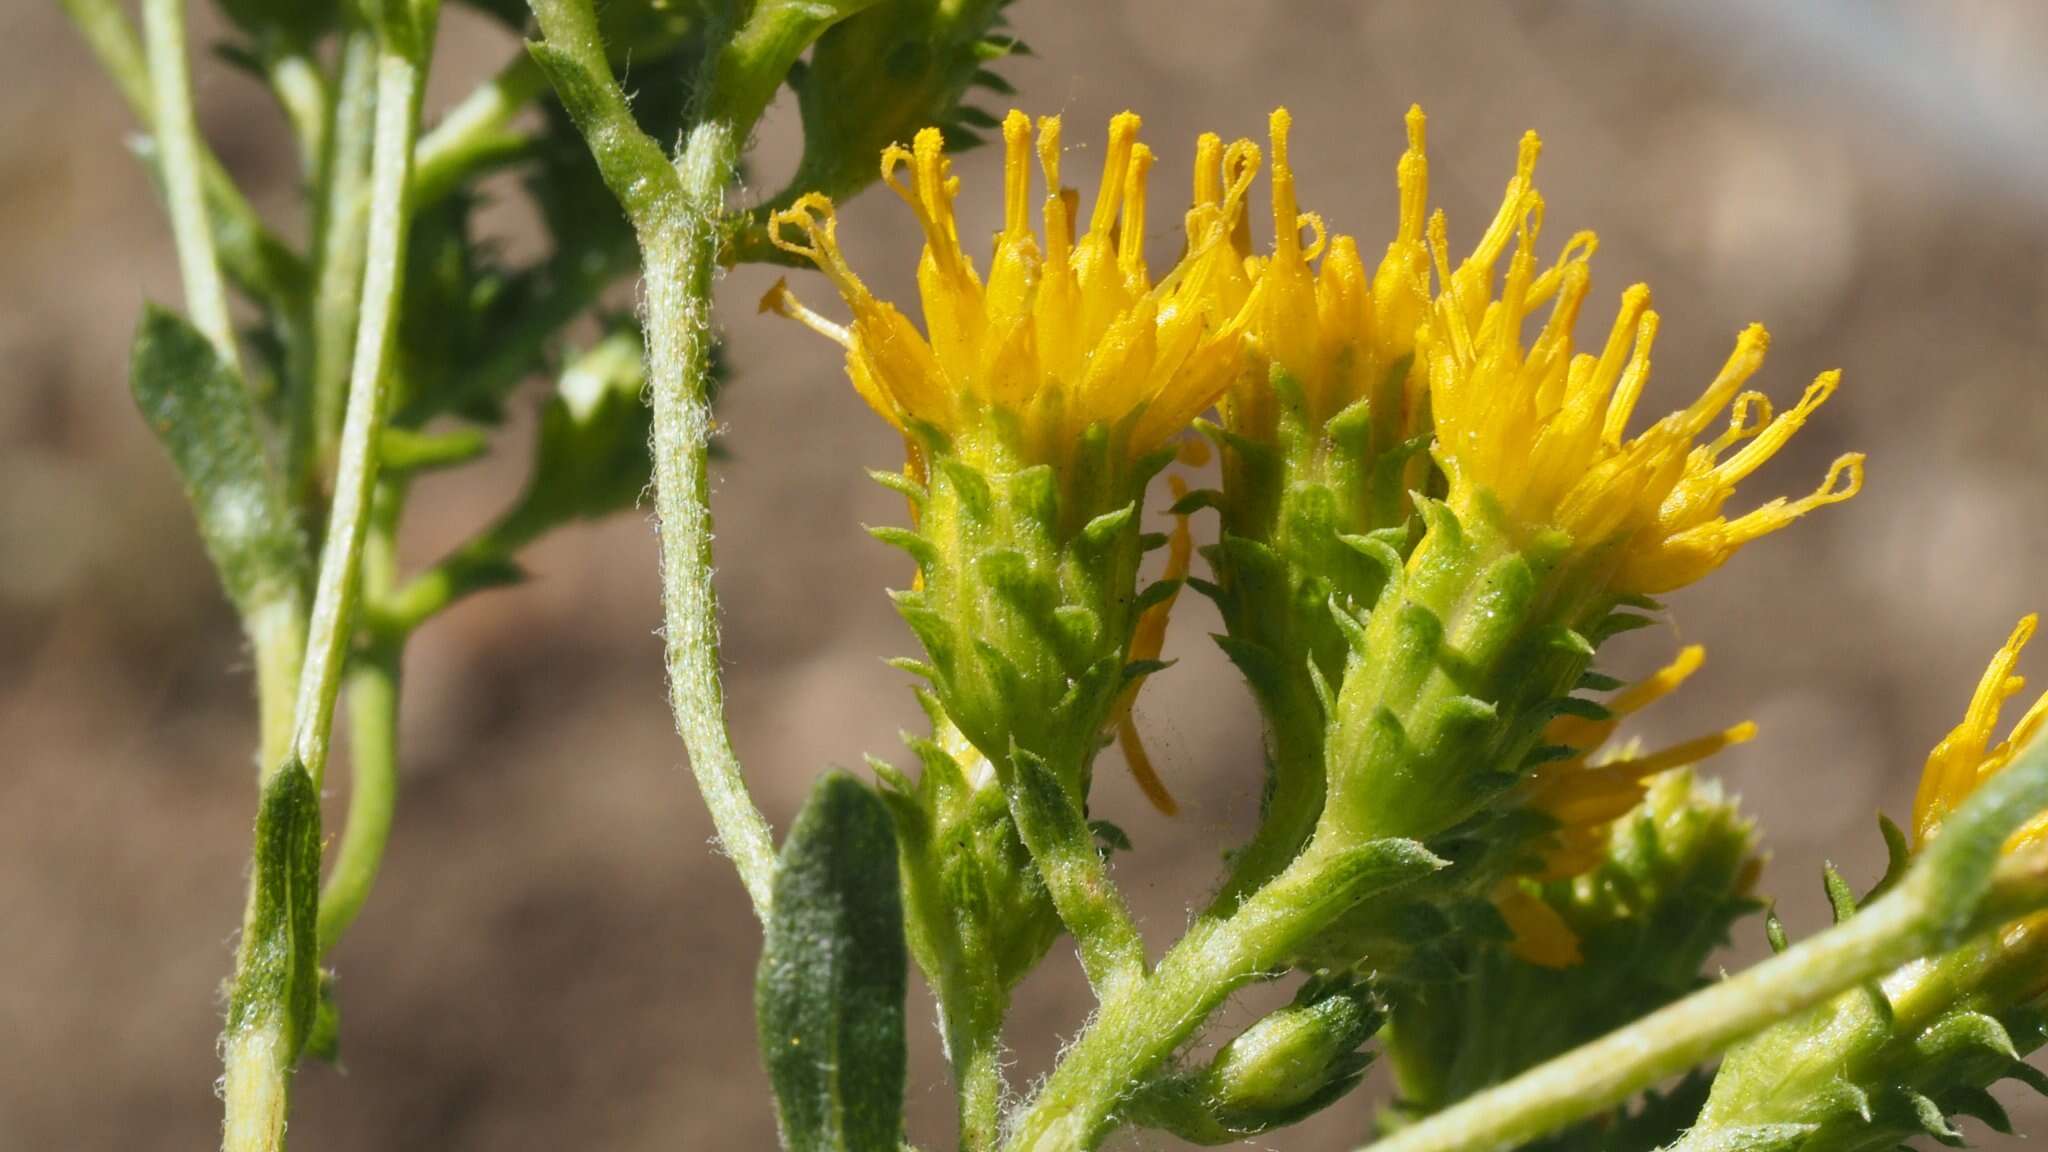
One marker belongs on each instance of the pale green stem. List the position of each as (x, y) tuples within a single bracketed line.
[(255, 258), (303, 94), (373, 695), (277, 636), (177, 133), (256, 1087), (107, 33), (339, 251), (476, 130), (1139, 1027), (676, 211), (397, 122), (681, 249), (1957, 889)]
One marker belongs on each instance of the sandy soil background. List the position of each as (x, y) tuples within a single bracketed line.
[(555, 958)]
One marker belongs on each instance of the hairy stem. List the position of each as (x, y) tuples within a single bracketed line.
[(681, 248), (177, 134), (1139, 1028), (676, 211)]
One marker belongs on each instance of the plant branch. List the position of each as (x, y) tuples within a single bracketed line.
[(302, 92), (682, 257), (1141, 1025), (676, 211), (373, 696), (1957, 888), (338, 249), (252, 256), (397, 119), (177, 133), (475, 132)]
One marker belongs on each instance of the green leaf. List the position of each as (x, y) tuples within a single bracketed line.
[(200, 411), (277, 975), (592, 458), (829, 998), (878, 77)]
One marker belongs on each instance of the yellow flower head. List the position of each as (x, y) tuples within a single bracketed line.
[(1065, 335), (1342, 334), (1542, 431), (1967, 757), (1587, 792)]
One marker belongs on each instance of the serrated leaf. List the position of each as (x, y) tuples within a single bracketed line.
[(1260, 666), (912, 543), (1898, 855), (201, 413), (1841, 898), (1928, 1115), (1976, 1102), (903, 485), (829, 997), (592, 455)]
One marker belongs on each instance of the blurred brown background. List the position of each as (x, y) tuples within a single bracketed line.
[(555, 957)]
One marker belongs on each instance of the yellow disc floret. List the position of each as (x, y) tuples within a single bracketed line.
[(1067, 334), (1542, 430), (1340, 333)]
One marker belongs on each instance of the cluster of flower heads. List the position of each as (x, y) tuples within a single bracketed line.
[(1069, 333)]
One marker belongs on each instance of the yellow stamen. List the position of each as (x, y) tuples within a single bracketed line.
[(783, 302)]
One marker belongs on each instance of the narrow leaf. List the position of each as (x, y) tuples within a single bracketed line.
[(200, 411), (829, 997)]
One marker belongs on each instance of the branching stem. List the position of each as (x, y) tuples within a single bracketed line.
[(681, 249), (397, 121), (373, 694), (676, 210), (177, 134)]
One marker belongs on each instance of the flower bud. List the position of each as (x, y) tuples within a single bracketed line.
[(1285, 1067)]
